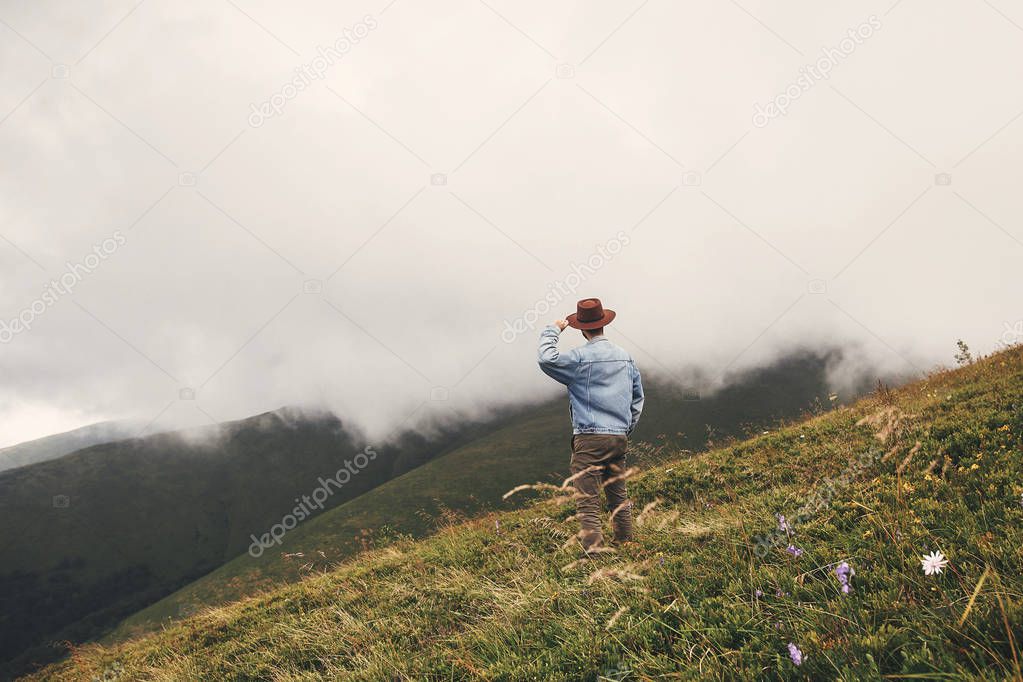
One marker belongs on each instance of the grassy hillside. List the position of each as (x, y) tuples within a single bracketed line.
[(531, 447), (710, 591)]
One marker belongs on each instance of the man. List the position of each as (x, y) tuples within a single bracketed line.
[(605, 397)]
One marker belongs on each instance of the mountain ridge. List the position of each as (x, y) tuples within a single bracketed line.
[(59, 444)]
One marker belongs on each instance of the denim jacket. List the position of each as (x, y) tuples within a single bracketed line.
[(605, 392)]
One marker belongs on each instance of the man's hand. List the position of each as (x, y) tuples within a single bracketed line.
[(561, 324)]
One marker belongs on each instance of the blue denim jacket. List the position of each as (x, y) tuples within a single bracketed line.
[(605, 392)]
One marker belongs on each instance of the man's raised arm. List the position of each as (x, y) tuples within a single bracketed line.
[(556, 366)]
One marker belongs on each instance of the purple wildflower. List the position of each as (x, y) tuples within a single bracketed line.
[(844, 572), (759, 593), (794, 551), (795, 654), (782, 524)]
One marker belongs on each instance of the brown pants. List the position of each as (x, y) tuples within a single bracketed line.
[(602, 457)]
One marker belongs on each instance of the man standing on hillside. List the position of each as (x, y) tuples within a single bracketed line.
[(605, 397)]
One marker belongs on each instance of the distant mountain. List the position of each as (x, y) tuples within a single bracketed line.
[(58, 445)]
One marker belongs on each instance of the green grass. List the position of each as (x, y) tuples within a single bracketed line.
[(502, 596)]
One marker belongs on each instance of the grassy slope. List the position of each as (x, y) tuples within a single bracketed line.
[(531, 447), (497, 598)]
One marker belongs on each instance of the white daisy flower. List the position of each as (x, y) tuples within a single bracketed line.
[(933, 563)]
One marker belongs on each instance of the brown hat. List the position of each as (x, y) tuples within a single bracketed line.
[(590, 314)]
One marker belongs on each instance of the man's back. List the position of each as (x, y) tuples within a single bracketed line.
[(604, 385)]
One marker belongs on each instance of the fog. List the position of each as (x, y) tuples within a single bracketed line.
[(213, 209)]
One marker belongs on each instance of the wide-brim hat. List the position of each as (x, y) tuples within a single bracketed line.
[(590, 314)]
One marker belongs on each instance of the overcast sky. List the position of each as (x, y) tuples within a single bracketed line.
[(423, 175)]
